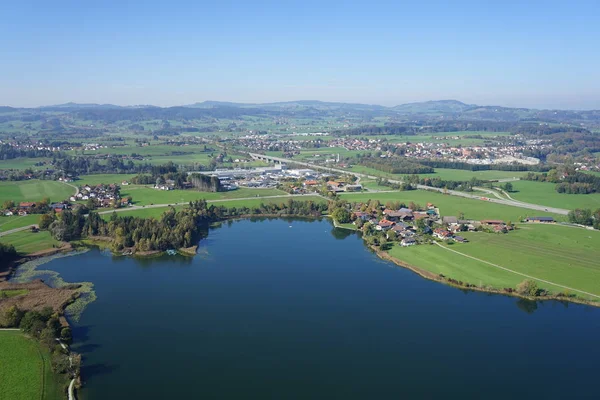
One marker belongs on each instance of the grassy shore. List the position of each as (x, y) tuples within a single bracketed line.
[(34, 190), (452, 205), (25, 371), (558, 254)]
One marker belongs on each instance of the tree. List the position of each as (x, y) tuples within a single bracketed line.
[(66, 335), (508, 187), (8, 204), (45, 221), (528, 288), (12, 316), (341, 215)]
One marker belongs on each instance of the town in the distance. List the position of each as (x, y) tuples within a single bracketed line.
[(480, 198)]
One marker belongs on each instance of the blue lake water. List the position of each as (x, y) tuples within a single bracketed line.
[(273, 309)]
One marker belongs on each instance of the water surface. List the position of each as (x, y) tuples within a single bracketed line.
[(278, 310)]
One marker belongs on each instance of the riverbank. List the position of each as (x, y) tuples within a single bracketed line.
[(467, 286)]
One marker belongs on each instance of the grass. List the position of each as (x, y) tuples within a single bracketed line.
[(25, 371), (24, 163), (446, 174), (544, 193), (26, 242), (97, 179), (13, 222), (13, 292), (559, 254), (34, 190), (144, 195), (452, 205)]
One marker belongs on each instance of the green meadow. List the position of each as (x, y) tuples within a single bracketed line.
[(25, 371), (23, 163), (544, 193), (446, 174), (558, 254), (26, 242), (13, 222), (452, 205), (144, 195), (34, 190)]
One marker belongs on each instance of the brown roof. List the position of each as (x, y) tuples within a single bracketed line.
[(26, 204), (492, 221)]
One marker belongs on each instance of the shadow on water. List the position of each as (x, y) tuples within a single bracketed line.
[(528, 306), (87, 348), (341, 234), (96, 369), (82, 333)]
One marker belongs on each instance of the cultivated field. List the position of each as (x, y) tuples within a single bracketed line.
[(446, 174), (34, 190), (26, 242), (544, 193), (8, 223), (25, 371), (452, 205), (144, 195), (563, 255)]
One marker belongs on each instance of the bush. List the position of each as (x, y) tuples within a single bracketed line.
[(528, 288)]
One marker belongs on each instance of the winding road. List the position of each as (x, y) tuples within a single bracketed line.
[(513, 203)]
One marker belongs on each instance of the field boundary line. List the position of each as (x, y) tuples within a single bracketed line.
[(516, 272)]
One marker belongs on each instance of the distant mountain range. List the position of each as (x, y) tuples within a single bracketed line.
[(437, 110)]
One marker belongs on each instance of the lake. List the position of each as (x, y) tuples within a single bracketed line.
[(273, 309)]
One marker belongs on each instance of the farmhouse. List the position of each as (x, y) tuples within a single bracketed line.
[(26, 205), (546, 220), (442, 234), (492, 222), (408, 242), (384, 225)]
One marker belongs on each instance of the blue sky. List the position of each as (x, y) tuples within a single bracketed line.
[(541, 54)]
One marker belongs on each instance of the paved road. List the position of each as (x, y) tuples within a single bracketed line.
[(507, 202), (23, 228)]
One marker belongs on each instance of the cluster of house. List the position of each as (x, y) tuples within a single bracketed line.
[(168, 185), (30, 207), (399, 223), (341, 186), (103, 195), (402, 224)]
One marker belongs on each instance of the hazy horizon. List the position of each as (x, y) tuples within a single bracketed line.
[(536, 54), (288, 101)]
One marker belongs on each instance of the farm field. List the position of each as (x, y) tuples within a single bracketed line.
[(144, 195), (544, 193), (559, 254), (452, 205), (26, 242), (25, 371), (446, 174), (34, 190), (13, 222), (24, 163), (97, 179)]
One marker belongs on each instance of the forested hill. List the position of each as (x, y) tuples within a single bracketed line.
[(435, 111)]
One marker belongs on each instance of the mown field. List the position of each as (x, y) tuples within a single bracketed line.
[(559, 254), (25, 371), (23, 163), (143, 195), (8, 223), (97, 179), (446, 174), (452, 205), (34, 190), (545, 193), (26, 242)]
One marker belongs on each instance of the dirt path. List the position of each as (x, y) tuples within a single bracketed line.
[(518, 273)]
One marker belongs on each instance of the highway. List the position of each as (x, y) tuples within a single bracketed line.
[(508, 202)]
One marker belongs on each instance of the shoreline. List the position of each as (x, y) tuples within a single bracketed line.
[(446, 280)]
